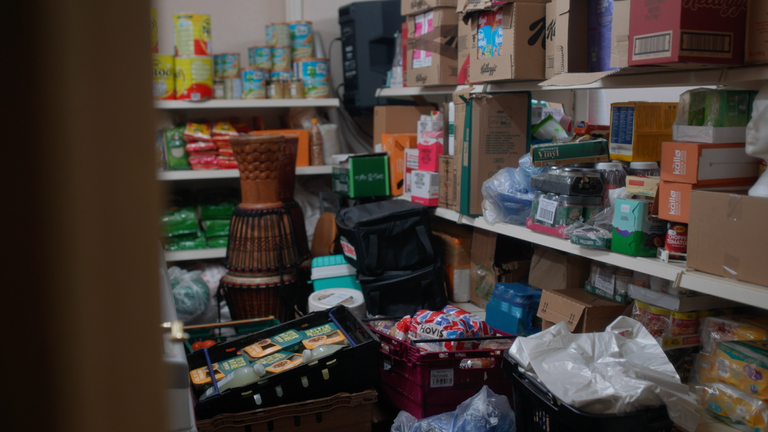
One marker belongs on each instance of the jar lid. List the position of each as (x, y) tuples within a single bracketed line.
[(644, 165), (610, 166), (569, 200)]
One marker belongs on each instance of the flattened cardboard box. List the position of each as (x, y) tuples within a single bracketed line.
[(581, 311), (464, 47), (571, 40), (495, 258), (454, 251), (448, 183), (522, 51), (757, 32), (727, 236), (441, 43), (554, 270), (499, 129), (549, 39), (620, 34), (459, 100), (465, 6), (413, 7)]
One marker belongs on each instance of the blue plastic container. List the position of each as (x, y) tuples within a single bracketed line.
[(513, 308), (333, 272)]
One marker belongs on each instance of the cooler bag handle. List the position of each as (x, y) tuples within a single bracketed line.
[(422, 232), (373, 255)]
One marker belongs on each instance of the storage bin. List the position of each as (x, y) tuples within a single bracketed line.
[(350, 369), (537, 410), (343, 412), (430, 383), (333, 272)]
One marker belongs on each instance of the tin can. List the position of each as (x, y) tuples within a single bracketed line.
[(278, 35), (226, 65), (301, 39), (314, 74), (233, 88), (676, 240), (163, 75), (218, 87), (281, 74), (193, 34), (154, 30), (260, 57), (194, 78), (281, 58), (254, 83)]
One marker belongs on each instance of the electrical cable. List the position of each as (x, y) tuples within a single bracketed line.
[(341, 100)]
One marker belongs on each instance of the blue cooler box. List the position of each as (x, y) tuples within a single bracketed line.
[(333, 272), (513, 309)]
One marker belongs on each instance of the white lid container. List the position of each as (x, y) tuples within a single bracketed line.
[(328, 298)]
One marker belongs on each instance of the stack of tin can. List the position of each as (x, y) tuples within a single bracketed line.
[(187, 75)]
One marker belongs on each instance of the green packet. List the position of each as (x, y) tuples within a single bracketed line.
[(218, 242), (175, 149), (186, 242), (216, 227), (178, 221), (217, 203)]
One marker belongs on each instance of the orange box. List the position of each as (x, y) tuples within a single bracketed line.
[(395, 145), (675, 198), (698, 163), (302, 152)]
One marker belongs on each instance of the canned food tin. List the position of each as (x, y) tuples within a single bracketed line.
[(281, 74), (233, 88), (193, 34), (260, 57), (163, 71), (278, 35), (314, 74), (194, 78), (301, 39), (676, 240), (154, 30), (281, 58), (226, 65), (218, 87), (254, 83)]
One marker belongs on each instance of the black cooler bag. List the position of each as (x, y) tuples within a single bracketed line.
[(400, 293), (386, 236)]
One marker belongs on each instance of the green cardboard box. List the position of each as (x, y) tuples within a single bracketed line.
[(364, 175), (614, 296), (635, 231), (551, 154)]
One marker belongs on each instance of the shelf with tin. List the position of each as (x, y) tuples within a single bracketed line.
[(232, 173), (246, 103)]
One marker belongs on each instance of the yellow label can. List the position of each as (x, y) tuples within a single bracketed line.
[(194, 78), (164, 81), (281, 58), (193, 34), (278, 35), (302, 43), (154, 31)]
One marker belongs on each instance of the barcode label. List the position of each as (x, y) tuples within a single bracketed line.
[(706, 44), (605, 281), (441, 378), (652, 46), (546, 211)]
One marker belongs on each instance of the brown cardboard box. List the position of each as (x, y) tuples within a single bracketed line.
[(499, 131), (549, 36), (582, 312), (555, 270), (454, 251), (674, 198), (571, 43), (464, 46), (757, 32), (493, 257), (620, 34), (448, 183), (395, 145), (413, 7), (440, 43), (727, 235), (522, 52), (459, 141), (395, 119), (465, 6)]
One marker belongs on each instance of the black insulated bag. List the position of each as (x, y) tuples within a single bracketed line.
[(400, 293), (386, 236)]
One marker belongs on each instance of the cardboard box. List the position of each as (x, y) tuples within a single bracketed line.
[(432, 54), (549, 39), (395, 145), (495, 258), (509, 44), (413, 7), (552, 154), (465, 6), (709, 135), (581, 311), (411, 164), (675, 198), (459, 101), (425, 188), (644, 186), (697, 163), (571, 39), (635, 231), (449, 187), (454, 251), (639, 128), (555, 270), (620, 34), (599, 35), (757, 32), (364, 175), (464, 47), (694, 302), (396, 119), (499, 129), (430, 144), (727, 236), (696, 31)]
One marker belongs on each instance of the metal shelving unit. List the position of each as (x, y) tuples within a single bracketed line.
[(196, 254), (246, 103), (232, 173)]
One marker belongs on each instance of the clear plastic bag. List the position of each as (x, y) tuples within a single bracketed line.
[(484, 412), (508, 194), (441, 422), (403, 422), (190, 292), (733, 407)]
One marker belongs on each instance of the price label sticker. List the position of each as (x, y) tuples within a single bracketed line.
[(546, 211), (441, 378)]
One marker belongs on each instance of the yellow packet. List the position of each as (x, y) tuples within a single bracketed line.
[(283, 365), (284, 341)]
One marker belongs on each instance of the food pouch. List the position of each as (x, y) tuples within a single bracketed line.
[(744, 365), (197, 132), (733, 407), (201, 378), (287, 341), (326, 334)]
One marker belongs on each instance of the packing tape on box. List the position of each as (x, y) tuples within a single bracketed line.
[(734, 207), (426, 42)]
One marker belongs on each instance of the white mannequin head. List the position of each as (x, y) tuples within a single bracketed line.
[(757, 139)]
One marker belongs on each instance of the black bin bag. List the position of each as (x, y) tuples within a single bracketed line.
[(401, 293)]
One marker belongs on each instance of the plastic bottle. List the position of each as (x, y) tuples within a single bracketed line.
[(238, 378), (315, 144), (321, 351)]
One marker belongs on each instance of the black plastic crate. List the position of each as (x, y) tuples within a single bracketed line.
[(351, 369), (537, 410)]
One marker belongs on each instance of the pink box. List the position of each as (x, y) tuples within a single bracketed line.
[(425, 188)]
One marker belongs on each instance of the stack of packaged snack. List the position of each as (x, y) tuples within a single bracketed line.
[(202, 146), (197, 222), (180, 228), (222, 132), (215, 209)]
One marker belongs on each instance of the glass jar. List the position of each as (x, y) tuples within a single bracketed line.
[(296, 89), (569, 210), (645, 169), (592, 206)]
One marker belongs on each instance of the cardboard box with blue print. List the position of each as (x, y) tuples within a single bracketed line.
[(363, 175), (509, 43), (432, 51)]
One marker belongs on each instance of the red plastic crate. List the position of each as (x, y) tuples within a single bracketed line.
[(430, 383)]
